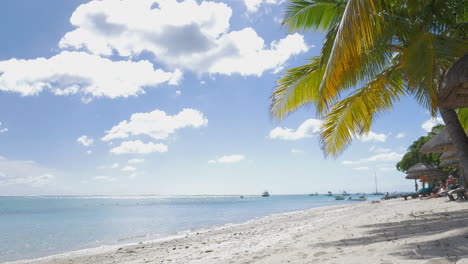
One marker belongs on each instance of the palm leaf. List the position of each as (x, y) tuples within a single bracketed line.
[(297, 87), (316, 15), (354, 115), (359, 28)]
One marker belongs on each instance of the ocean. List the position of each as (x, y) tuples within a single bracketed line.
[(32, 227)]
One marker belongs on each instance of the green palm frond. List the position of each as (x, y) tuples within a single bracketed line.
[(297, 87), (316, 15), (354, 115), (463, 117), (357, 33)]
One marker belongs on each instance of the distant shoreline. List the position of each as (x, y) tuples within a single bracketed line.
[(393, 231)]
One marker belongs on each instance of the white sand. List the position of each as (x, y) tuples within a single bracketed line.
[(397, 231)]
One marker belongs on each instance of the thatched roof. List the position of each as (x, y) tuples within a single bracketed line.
[(451, 155), (453, 90), (423, 169), (412, 177), (440, 143), (449, 163)]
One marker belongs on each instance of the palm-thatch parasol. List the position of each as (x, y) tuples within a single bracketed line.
[(423, 169), (453, 92), (412, 177), (451, 155), (449, 163), (440, 143)]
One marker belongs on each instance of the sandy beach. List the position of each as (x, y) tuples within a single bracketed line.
[(396, 231)]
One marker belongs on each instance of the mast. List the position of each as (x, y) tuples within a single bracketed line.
[(375, 178)]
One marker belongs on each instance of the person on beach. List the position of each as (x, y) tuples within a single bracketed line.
[(451, 183)]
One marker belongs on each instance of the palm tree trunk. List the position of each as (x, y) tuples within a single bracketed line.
[(458, 137)]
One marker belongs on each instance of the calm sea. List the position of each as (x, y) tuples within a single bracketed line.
[(32, 227)]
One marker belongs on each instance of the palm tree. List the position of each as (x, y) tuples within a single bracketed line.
[(374, 51)]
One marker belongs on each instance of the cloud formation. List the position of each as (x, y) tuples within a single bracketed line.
[(156, 124), (373, 137), (24, 172), (228, 159), (198, 38), (308, 128), (429, 124), (85, 141), (253, 5), (382, 157), (138, 147), (80, 73)]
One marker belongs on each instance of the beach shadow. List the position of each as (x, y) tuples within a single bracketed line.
[(423, 224)]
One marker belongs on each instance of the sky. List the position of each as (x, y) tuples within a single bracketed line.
[(131, 97)]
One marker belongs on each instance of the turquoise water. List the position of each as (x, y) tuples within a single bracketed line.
[(32, 227)]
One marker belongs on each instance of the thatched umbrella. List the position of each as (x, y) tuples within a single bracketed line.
[(453, 92), (427, 170), (440, 143), (412, 177), (423, 169), (449, 163), (451, 155)]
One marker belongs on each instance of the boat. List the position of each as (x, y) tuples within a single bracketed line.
[(345, 193), (357, 199), (339, 197), (330, 193), (265, 194), (313, 194), (242, 196), (376, 191)]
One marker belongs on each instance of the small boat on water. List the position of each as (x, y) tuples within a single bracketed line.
[(339, 197), (357, 199), (313, 194), (345, 193), (265, 194), (242, 196), (330, 193)]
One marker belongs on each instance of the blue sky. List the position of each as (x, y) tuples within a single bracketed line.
[(170, 97)]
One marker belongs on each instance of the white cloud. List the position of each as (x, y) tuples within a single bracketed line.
[(361, 168), (178, 92), (294, 150), (156, 124), (24, 172), (135, 161), (129, 168), (309, 128), (197, 38), (85, 141), (3, 130), (429, 124), (373, 137), (400, 135), (349, 162), (81, 73), (114, 166), (390, 157), (228, 159), (379, 149), (138, 147), (89, 152), (104, 178), (254, 5)]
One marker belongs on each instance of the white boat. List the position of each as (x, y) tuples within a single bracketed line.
[(357, 199), (339, 197), (265, 194)]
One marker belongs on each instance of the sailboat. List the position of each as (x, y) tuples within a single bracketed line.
[(376, 191)]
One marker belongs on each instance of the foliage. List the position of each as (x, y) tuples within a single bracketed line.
[(375, 52), (413, 155)]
